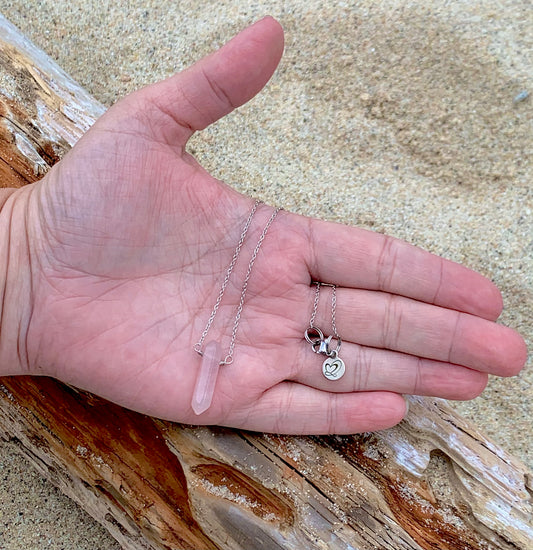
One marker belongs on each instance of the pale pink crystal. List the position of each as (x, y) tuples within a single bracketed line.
[(207, 378)]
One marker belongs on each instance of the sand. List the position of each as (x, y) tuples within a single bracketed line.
[(401, 117)]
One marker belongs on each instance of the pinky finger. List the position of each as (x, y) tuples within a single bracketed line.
[(292, 408)]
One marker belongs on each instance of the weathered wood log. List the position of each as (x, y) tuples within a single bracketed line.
[(432, 482)]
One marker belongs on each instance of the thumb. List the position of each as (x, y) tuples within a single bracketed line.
[(217, 84)]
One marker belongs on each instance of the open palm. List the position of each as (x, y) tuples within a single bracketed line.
[(132, 238)]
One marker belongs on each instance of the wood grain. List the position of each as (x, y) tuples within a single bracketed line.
[(432, 482)]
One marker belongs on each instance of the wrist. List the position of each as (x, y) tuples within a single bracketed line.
[(4, 195), (15, 282)]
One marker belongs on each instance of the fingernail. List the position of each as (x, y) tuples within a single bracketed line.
[(406, 406)]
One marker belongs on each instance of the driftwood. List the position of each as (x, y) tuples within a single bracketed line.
[(433, 482)]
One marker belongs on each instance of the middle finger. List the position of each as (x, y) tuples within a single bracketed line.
[(387, 321)]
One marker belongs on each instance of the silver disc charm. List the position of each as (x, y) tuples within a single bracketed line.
[(333, 367)]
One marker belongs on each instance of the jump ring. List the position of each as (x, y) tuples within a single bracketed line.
[(315, 338), (336, 351)]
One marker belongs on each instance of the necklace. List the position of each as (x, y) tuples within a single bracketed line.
[(212, 353), (333, 368)]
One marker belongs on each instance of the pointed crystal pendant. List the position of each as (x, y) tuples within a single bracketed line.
[(207, 378)]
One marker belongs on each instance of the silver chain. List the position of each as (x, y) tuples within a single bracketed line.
[(333, 307), (333, 368), (333, 311), (315, 306), (198, 346), (200, 343), (229, 358)]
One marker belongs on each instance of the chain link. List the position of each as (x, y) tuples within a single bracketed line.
[(333, 368), (315, 306), (198, 346), (229, 358), (333, 311), (333, 307)]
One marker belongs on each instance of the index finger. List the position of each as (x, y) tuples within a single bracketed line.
[(357, 258)]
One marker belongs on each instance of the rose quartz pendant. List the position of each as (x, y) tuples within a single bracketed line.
[(207, 378)]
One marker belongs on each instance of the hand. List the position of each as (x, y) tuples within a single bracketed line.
[(129, 240)]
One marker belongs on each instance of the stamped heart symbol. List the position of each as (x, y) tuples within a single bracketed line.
[(333, 368)]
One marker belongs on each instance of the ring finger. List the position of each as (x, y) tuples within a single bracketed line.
[(388, 322), (371, 369)]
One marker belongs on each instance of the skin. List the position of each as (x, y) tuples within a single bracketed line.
[(113, 261)]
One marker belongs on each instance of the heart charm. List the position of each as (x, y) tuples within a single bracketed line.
[(333, 368)]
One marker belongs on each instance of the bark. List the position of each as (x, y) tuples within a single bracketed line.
[(434, 481)]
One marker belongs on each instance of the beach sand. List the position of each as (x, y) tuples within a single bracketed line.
[(400, 117)]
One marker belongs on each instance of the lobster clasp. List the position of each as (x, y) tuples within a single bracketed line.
[(319, 343), (322, 346)]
